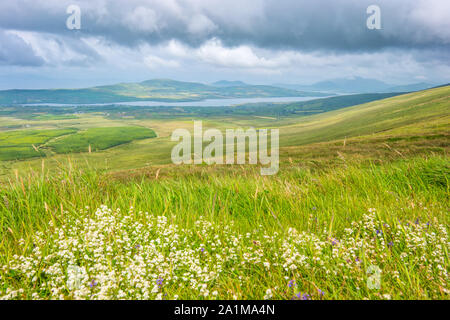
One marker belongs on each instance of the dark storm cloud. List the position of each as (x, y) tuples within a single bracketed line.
[(297, 24), (255, 40), (15, 51)]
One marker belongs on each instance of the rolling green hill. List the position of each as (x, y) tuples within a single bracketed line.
[(151, 90), (420, 109)]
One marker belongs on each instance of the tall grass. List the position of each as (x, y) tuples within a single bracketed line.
[(323, 203)]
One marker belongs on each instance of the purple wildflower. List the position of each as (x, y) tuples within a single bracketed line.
[(291, 283), (304, 296), (159, 282), (93, 283)]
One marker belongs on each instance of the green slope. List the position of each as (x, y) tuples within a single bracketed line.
[(419, 108)]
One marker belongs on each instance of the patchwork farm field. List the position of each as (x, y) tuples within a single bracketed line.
[(100, 139), (360, 188), (23, 144)]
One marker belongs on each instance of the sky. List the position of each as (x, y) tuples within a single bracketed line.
[(257, 41)]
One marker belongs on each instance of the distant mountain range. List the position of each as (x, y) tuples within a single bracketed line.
[(164, 90), (357, 85)]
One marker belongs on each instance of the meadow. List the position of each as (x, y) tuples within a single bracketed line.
[(358, 210), (231, 235)]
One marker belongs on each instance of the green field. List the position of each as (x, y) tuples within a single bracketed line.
[(41, 117), (360, 188), (100, 139), (24, 144)]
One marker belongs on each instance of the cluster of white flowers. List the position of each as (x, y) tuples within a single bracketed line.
[(133, 255)]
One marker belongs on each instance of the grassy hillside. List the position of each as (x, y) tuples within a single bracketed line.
[(311, 107), (359, 188), (300, 235), (421, 109)]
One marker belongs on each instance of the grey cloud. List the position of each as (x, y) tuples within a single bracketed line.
[(15, 51), (294, 24), (293, 39)]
